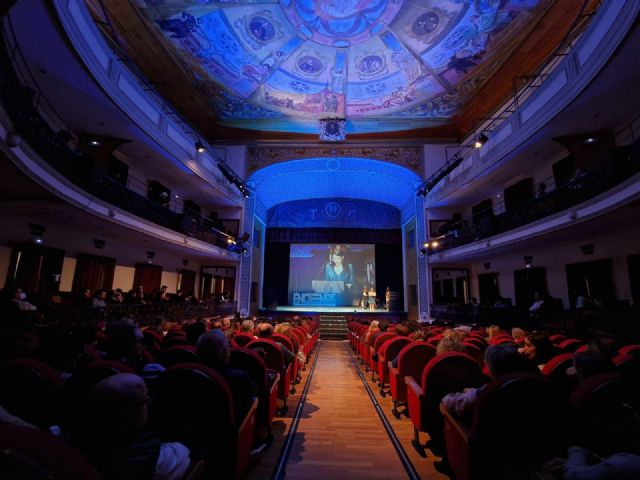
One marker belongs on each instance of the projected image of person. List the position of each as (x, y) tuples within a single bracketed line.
[(337, 268)]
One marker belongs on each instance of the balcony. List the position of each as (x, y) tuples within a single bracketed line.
[(624, 164), (21, 105)]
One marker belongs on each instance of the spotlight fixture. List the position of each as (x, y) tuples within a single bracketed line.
[(528, 261), (587, 249), (481, 140), (200, 148), (435, 244), (590, 140), (36, 231), (150, 255), (487, 265), (99, 243), (185, 262), (94, 143), (231, 241)]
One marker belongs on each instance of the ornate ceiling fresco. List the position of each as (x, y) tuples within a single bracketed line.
[(284, 64)]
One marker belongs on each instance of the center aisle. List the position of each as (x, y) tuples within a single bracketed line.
[(340, 434)]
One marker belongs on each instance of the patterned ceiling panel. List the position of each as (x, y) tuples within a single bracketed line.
[(309, 59)]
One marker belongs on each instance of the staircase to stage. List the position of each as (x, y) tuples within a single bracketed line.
[(333, 327)]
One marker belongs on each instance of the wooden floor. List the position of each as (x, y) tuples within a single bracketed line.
[(339, 434)]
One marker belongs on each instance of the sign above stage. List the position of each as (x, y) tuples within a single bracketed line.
[(334, 213)]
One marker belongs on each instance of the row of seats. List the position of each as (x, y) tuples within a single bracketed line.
[(191, 402), (521, 418)]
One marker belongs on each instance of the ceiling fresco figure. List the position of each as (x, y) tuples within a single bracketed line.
[(356, 58)]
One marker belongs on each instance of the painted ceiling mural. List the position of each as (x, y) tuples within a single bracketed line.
[(311, 59)]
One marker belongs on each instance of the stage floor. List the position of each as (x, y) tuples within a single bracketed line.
[(346, 309)]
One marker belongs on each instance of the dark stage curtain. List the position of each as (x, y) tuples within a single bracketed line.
[(276, 278), (334, 235), (149, 276), (93, 272), (389, 269), (35, 269)]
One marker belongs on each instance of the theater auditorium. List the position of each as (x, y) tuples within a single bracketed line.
[(319, 239)]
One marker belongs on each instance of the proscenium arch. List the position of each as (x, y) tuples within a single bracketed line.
[(336, 177)]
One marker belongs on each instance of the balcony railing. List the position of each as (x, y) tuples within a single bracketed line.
[(144, 315), (624, 164), (20, 103)]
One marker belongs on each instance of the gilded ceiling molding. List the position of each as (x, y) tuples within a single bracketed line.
[(408, 157)]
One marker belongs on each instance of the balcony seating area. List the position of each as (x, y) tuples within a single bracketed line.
[(621, 164), (55, 371), (521, 417), (21, 102)]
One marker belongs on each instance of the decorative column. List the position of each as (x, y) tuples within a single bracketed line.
[(423, 277), (244, 279)]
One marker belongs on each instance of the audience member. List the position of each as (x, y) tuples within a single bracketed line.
[(373, 328), (383, 326), (213, 350), (538, 302), (99, 299), (518, 336), (124, 343), (247, 326), (194, 330), (538, 348), (452, 341), (265, 330), (112, 435), (20, 299), (583, 464), (500, 359), (590, 363)]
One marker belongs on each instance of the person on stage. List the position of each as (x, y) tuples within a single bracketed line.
[(337, 269), (372, 299), (387, 298)]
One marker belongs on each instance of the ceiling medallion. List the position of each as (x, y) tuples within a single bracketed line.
[(333, 129)]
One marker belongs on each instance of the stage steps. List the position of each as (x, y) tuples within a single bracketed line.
[(333, 327)]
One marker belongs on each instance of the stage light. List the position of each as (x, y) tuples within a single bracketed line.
[(99, 243), (590, 140), (480, 140), (528, 261), (200, 148), (231, 241), (435, 244), (94, 143), (36, 231), (150, 255)]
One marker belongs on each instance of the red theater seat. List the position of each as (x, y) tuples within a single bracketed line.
[(633, 350), (512, 433), (275, 361), (29, 453), (207, 425), (386, 353), (242, 339), (446, 373), (289, 345), (602, 419), (179, 354), (474, 352), (556, 339), (411, 361), (570, 345), (373, 351), (249, 361), (556, 371), (31, 390)]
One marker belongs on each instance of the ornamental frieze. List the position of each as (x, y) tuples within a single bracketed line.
[(408, 157)]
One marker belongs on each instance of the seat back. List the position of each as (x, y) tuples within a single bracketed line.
[(274, 357), (29, 453), (570, 345), (633, 350), (446, 373), (516, 418), (475, 352), (179, 354), (603, 420), (284, 340), (556, 371), (242, 339), (205, 426), (413, 358), (381, 339), (252, 363), (391, 348), (31, 390)]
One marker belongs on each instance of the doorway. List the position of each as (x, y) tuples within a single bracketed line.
[(527, 282), (488, 288), (592, 280)]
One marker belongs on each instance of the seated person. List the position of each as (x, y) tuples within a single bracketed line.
[(518, 336), (373, 329), (112, 434), (194, 331), (247, 326), (493, 332), (383, 326), (538, 348), (538, 302), (589, 363), (124, 342), (583, 464), (500, 359), (265, 330), (452, 341), (213, 350)]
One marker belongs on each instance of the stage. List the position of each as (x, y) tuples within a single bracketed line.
[(316, 311)]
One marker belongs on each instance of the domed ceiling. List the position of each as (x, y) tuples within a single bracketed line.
[(260, 63)]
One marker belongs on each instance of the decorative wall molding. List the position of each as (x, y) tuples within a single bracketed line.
[(408, 157)]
